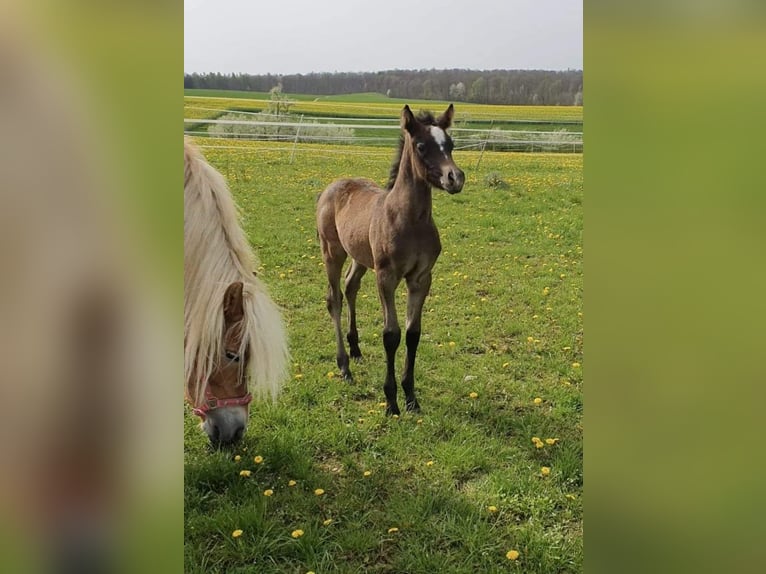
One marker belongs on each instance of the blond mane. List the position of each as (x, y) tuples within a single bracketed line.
[(216, 254)]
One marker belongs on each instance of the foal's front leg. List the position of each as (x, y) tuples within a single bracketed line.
[(392, 334), (417, 291)]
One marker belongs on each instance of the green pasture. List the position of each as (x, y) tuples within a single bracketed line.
[(214, 103), (458, 486)]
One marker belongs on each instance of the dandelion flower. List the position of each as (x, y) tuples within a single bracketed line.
[(512, 555), (452, 343), (319, 491), (327, 522), (299, 376), (530, 339), (268, 492), (537, 400), (237, 458), (395, 416), (575, 365), (291, 483), (430, 463), (393, 530), (297, 533), (245, 473), (545, 471), (420, 421), (367, 473), (506, 365), (330, 375), (492, 509), (551, 440), (237, 533), (258, 459), (474, 395)]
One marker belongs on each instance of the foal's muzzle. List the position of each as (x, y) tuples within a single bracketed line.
[(225, 426), (452, 180)]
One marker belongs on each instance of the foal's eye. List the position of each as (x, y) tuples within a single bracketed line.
[(233, 356), (421, 148)]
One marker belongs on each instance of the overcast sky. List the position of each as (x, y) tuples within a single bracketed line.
[(303, 36)]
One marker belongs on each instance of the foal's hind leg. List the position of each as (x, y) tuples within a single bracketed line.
[(417, 291), (353, 282), (334, 256)]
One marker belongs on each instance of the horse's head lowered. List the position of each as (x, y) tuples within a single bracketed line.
[(431, 149), (224, 410)]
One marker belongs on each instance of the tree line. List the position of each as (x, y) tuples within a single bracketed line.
[(516, 87)]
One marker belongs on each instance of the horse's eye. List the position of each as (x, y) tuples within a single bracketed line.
[(421, 148), (233, 356)]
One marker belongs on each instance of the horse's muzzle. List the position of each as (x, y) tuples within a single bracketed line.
[(453, 181)]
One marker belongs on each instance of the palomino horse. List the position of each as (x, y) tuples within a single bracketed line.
[(391, 231), (232, 330)]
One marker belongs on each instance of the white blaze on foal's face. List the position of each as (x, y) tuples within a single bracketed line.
[(439, 137)]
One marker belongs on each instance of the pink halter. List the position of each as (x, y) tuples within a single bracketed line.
[(212, 402)]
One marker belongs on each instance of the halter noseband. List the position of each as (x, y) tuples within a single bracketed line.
[(212, 402)]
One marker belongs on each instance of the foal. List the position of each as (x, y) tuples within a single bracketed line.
[(391, 231)]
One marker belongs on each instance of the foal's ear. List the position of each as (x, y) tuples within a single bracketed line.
[(444, 121), (233, 308), (408, 119)]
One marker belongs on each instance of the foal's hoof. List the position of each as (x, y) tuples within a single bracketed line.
[(348, 377), (392, 410), (413, 407)]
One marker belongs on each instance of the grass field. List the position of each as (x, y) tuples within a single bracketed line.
[(210, 103), (454, 488)]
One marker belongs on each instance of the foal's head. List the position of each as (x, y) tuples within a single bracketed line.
[(431, 149), (224, 411)]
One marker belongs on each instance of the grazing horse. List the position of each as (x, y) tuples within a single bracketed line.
[(233, 332), (391, 231)]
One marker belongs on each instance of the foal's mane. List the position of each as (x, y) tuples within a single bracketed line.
[(216, 254), (423, 117)]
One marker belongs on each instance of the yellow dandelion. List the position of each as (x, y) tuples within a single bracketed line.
[(297, 533), (237, 458), (319, 491), (452, 343), (420, 421), (258, 459), (492, 509), (535, 439), (395, 416), (268, 492), (545, 471), (393, 530), (530, 339), (381, 404), (330, 375), (430, 463), (327, 522), (360, 421), (512, 555), (245, 473), (282, 275), (367, 473), (299, 376), (505, 365), (291, 483), (537, 400), (237, 533), (575, 365), (371, 412), (546, 291), (474, 395), (551, 440)]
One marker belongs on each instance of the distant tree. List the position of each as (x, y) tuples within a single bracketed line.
[(578, 98), (278, 104), (457, 91), (478, 91)]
